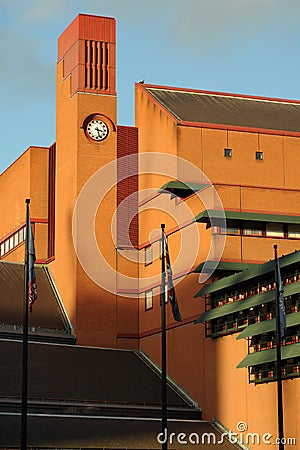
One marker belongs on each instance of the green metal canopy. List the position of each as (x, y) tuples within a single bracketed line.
[(268, 325), (208, 214), (237, 306), (266, 356), (250, 302), (222, 265), (233, 281), (178, 185)]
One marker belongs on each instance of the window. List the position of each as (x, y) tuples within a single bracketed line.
[(294, 231), (148, 300), (148, 255), (274, 230), (166, 292), (16, 239), (22, 235), (228, 152), (259, 156), (10, 243), (231, 228), (252, 229)]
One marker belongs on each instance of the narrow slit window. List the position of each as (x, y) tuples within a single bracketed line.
[(11, 243), (148, 300), (148, 255), (16, 239)]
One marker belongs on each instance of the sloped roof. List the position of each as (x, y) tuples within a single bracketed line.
[(103, 433), (48, 313), (116, 392), (228, 109), (82, 373)]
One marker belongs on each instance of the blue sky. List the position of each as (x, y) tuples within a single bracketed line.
[(240, 46)]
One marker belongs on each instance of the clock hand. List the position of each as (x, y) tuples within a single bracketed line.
[(98, 129)]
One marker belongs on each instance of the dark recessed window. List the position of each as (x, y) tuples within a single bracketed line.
[(228, 152), (259, 156), (294, 231), (253, 229), (275, 230), (232, 227)]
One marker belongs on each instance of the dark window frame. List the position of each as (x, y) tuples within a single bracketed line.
[(227, 152)]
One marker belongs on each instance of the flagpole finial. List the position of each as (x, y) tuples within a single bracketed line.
[(163, 226), (27, 200)]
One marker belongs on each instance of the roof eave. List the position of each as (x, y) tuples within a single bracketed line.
[(228, 127), (143, 87)]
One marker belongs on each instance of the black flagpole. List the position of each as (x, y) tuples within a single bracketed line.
[(164, 417), (278, 353), (25, 338)]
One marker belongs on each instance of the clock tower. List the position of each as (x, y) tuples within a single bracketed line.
[(86, 141)]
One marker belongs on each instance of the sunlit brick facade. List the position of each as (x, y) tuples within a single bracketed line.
[(245, 152)]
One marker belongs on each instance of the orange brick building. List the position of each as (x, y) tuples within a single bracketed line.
[(220, 170)]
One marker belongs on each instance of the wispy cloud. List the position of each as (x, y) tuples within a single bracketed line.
[(211, 27), (220, 24), (198, 43), (35, 10), (22, 69), (45, 11)]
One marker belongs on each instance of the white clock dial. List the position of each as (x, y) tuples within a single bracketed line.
[(97, 130)]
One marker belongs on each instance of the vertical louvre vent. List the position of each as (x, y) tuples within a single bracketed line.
[(97, 65), (127, 188), (88, 49)]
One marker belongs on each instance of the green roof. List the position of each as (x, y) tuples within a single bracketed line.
[(268, 325), (222, 265), (266, 356), (247, 303), (190, 186), (206, 215), (253, 272)]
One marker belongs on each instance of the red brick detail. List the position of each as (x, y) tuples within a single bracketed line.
[(127, 188), (88, 49), (51, 201)]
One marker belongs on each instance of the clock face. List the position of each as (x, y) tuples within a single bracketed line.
[(97, 130)]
